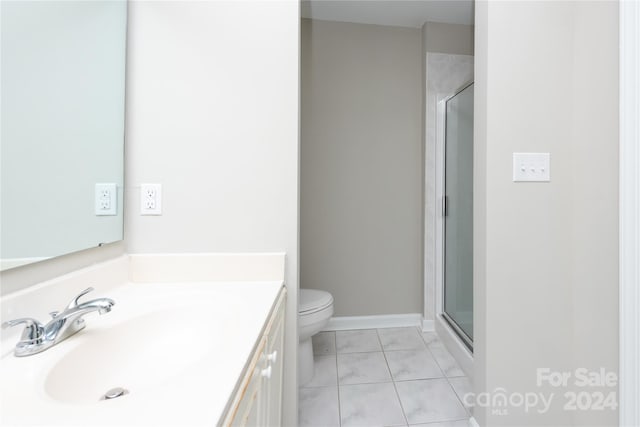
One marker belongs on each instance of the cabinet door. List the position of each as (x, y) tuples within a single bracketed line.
[(249, 409), (259, 400), (250, 405), (272, 386)]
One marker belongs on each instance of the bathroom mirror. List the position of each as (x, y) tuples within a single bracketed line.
[(62, 127)]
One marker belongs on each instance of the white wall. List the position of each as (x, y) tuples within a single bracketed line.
[(361, 192), (546, 254), (212, 115)]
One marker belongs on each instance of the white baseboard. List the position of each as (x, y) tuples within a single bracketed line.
[(342, 323), (428, 325)]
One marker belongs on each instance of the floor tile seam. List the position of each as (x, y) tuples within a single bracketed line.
[(383, 354), (424, 344), (468, 410), (434, 333), (339, 420), (371, 383), (424, 379), (380, 341), (428, 348), (307, 387), (424, 348), (419, 330), (395, 388), (320, 386), (406, 349), (374, 382), (360, 352), (436, 359), (420, 379), (338, 387)]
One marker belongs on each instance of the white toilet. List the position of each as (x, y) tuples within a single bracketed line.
[(314, 311)]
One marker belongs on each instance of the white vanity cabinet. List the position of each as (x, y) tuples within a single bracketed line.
[(258, 399), (233, 377)]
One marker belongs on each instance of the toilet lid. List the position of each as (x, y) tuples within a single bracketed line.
[(313, 300)]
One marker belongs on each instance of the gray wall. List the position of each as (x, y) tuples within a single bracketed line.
[(455, 39), (361, 166), (546, 254)]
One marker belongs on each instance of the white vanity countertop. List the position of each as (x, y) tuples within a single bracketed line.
[(178, 348)]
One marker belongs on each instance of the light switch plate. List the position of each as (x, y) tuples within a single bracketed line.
[(531, 167), (106, 197)]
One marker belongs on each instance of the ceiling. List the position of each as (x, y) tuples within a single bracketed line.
[(402, 13)]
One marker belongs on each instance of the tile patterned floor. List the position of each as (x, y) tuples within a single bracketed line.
[(383, 377)]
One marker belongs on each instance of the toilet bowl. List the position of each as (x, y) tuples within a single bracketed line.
[(314, 311)]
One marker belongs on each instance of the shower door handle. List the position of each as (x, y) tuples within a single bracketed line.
[(445, 205)]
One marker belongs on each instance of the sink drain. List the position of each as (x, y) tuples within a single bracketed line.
[(114, 393)]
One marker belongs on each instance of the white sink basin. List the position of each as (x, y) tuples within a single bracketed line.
[(178, 349), (137, 355)]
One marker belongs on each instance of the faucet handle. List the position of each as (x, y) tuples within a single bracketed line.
[(33, 329), (74, 301)]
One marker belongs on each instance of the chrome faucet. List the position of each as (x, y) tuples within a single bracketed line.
[(37, 337)]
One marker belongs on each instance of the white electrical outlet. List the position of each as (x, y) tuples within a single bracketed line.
[(106, 197), (150, 199)]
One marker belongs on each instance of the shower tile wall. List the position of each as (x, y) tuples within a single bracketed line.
[(445, 74)]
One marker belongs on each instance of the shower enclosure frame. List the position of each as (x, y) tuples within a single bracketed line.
[(448, 331)]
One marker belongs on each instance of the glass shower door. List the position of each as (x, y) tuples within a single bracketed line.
[(458, 213)]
